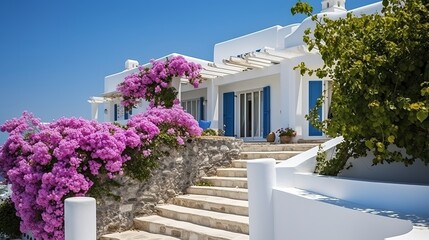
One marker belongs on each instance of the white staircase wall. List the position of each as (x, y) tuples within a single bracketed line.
[(393, 172), (386, 210), (296, 217)]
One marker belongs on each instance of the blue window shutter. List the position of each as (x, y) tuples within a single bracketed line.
[(314, 92), (201, 108), (266, 117), (115, 112), (228, 113), (126, 114)]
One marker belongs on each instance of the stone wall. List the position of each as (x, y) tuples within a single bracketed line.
[(201, 157)]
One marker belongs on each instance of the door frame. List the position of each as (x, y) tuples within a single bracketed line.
[(238, 115)]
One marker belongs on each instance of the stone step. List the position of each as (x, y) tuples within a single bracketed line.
[(234, 182), (234, 193), (239, 164), (267, 147), (184, 230), (136, 235), (282, 155), (223, 221), (243, 163), (313, 141), (212, 203), (232, 172)]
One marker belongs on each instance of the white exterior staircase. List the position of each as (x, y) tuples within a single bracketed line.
[(215, 212)]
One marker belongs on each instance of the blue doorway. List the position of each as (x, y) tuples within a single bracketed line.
[(266, 111), (315, 89), (228, 113)]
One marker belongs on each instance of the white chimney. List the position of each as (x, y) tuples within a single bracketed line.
[(130, 64), (333, 5)]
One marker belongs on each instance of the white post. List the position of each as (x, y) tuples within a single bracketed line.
[(80, 218), (213, 104), (261, 178), (176, 82), (94, 111), (179, 96), (94, 101)]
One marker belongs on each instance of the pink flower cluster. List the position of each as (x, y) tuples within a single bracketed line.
[(154, 84), (174, 122), (45, 163)]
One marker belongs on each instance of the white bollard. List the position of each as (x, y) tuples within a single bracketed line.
[(80, 218), (261, 178)]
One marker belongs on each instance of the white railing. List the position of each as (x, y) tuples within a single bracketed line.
[(289, 201)]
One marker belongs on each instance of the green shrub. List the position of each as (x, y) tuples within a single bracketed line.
[(209, 132), (379, 68), (9, 222)]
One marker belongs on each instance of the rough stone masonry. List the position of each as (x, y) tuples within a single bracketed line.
[(200, 157)]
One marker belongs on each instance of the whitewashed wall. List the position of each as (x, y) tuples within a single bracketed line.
[(270, 37), (112, 81), (418, 173), (295, 93), (310, 206), (251, 84), (300, 217)]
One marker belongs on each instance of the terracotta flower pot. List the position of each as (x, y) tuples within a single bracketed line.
[(271, 137), (285, 139)]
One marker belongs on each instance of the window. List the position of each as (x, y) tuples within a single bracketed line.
[(250, 114), (128, 113), (193, 107), (327, 5), (119, 113)]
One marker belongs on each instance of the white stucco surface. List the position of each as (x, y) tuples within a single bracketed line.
[(363, 168), (304, 215), (310, 206)]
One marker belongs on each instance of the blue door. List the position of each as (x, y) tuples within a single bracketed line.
[(115, 112), (201, 108), (315, 92), (228, 113), (266, 117)]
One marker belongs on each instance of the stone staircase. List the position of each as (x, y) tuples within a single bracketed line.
[(215, 212)]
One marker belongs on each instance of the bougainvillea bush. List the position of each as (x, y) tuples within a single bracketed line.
[(155, 84), (159, 126), (46, 163)]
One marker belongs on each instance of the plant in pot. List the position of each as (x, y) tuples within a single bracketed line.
[(286, 134)]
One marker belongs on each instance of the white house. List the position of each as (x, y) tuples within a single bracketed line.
[(250, 87)]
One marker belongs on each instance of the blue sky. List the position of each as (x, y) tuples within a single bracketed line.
[(55, 54)]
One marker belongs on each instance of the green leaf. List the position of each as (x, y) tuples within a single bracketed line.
[(380, 81), (385, 3), (422, 115), (369, 144), (380, 147)]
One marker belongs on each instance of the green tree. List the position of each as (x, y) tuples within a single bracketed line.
[(379, 65)]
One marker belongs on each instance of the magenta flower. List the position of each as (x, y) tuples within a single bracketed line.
[(154, 84), (47, 162)]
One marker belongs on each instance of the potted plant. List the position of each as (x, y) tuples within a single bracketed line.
[(286, 134)]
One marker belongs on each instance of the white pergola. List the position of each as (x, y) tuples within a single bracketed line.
[(244, 62), (258, 59), (95, 101)]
